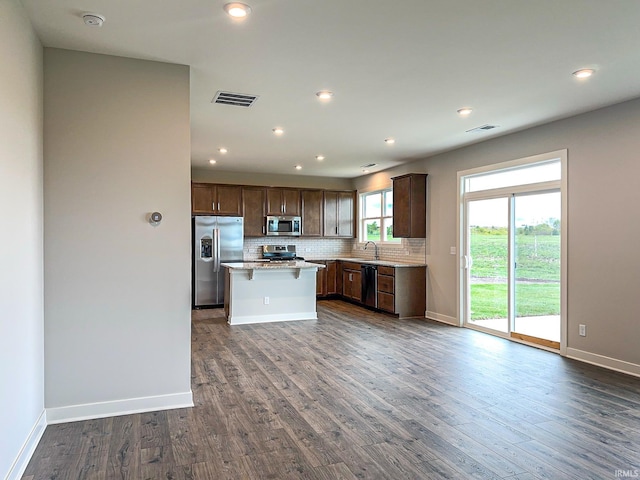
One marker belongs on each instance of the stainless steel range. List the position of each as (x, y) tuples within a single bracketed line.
[(280, 253)]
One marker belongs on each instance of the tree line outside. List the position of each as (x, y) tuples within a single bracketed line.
[(373, 232)]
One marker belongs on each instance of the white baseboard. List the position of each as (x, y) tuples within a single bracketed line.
[(285, 317), (606, 362), (29, 446), (115, 408), (438, 317)]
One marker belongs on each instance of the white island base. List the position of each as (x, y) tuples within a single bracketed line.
[(257, 293)]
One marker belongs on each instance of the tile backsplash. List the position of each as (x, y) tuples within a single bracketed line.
[(305, 247), (410, 250)]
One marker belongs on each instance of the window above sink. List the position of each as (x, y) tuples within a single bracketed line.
[(375, 217)]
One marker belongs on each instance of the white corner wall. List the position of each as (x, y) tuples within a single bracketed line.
[(21, 260), (603, 265), (117, 296)]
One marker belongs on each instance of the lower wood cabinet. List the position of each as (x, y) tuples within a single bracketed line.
[(402, 290), (331, 274), (352, 281), (326, 279), (386, 289)]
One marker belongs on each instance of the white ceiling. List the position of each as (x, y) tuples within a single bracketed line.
[(398, 68)]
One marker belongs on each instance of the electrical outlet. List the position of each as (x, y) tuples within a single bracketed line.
[(583, 330), (266, 300), (307, 249)]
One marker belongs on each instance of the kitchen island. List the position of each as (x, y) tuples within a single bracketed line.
[(260, 292)]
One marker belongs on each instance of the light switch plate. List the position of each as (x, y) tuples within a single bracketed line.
[(452, 250)]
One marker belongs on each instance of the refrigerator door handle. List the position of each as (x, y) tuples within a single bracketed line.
[(216, 250)]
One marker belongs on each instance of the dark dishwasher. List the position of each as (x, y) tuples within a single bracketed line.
[(370, 285)]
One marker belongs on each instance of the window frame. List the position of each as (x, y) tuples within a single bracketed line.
[(461, 217), (382, 217)]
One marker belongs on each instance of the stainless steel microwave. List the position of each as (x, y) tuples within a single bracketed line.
[(284, 225)]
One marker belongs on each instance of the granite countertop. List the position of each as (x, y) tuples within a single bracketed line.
[(382, 263), (271, 265)]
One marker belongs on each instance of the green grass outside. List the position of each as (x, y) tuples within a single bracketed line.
[(537, 257), (532, 299), (374, 236), (537, 260)]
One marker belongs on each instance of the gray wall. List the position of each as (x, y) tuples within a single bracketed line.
[(213, 175), (21, 260), (117, 299), (603, 265)]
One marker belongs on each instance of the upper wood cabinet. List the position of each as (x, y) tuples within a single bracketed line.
[(253, 210), (213, 199), (410, 206), (326, 213), (283, 201), (339, 215), (312, 212)]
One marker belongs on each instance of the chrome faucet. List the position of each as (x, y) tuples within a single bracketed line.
[(375, 255)]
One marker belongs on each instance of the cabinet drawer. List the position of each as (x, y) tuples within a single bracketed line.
[(386, 271), (385, 283), (350, 266), (386, 302)]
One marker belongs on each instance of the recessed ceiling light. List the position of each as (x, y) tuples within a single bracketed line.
[(584, 73), (390, 141), (464, 111), (278, 131), (324, 95), (93, 19), (365, 171), (320, 157), (212, 161), (298, 167), (223, 150), (237, 10)]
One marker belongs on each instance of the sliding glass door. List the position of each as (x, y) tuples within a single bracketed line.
[(511, 236), (488, 257), (537, 268)]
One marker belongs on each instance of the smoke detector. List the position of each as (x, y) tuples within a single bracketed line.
[(93, 19)]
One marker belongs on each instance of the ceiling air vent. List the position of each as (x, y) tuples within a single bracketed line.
[(236, 99), (368, 165), (482, 128)]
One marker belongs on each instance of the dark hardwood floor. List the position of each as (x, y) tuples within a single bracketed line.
[(358, 394)]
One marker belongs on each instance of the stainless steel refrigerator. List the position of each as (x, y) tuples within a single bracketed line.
[(215, 240)]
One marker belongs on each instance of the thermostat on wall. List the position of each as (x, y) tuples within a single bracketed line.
[(155, 218)]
